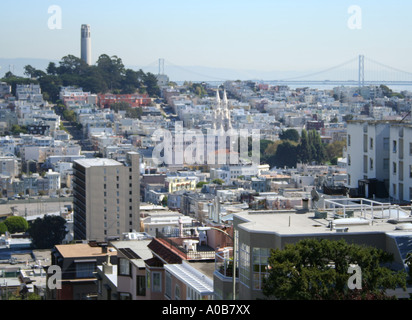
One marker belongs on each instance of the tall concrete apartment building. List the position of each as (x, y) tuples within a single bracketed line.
[(86, 44), (106, 197), (379, 154)]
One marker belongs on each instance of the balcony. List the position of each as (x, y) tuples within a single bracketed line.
[(224, 263), (188, 245)]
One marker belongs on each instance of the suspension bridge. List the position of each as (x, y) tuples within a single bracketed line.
[(358, 71)]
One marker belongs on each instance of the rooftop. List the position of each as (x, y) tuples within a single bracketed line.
[(192, 277), (355, 217), (97, 162), (140, 250), (81, 250)]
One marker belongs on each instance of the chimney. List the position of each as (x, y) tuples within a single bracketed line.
[(104, 247), (107, 266)]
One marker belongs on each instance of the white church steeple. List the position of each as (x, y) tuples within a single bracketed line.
[(221, 113)]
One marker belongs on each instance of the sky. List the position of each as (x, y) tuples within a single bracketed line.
[(288, 35)]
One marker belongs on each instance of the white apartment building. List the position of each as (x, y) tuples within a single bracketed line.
[(380, 150), (54, 181), (400, 162)]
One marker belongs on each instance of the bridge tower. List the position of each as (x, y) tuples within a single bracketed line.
[(361, 71)]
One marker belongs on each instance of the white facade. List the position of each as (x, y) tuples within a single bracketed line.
[(54, 181), (400, 173), (367, 151), (381, 150)]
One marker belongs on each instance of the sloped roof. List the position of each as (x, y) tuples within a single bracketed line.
[(165, 252)]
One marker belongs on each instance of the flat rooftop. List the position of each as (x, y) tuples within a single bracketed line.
[(386, 219), (82, 250), (97, 162)]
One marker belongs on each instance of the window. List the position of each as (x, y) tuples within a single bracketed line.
[(157, 281), (410, 172), (348, 140), (385, 164), (371, 143), (386, 144), (124, 267), (85, 269), (140, 285), (365, 164), (177, 292), (394, 146), (394, 167), (244, 264), (371, 163), (410, 149), (125, 296), (168, 285), (260, 264), (192, 294)]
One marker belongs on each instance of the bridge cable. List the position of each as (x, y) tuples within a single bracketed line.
[(323, 71)]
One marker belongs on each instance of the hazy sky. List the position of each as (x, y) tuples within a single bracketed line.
[(237, 34)]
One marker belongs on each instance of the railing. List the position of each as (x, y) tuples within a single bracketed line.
[(224, 263), (202, 252)]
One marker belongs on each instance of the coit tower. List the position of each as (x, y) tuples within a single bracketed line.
[(86, 44)]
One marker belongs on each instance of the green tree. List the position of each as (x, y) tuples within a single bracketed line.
[(51, 69), (318, 152), (286, 155), (290, 134), (218, 181), (304, 150), (315, 269), (16, 224), (48, 231), (16, 129), (72, 65), (3, 228), (200, 184), (112, 69), (334, 150), (164, 201), (152, 88)]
